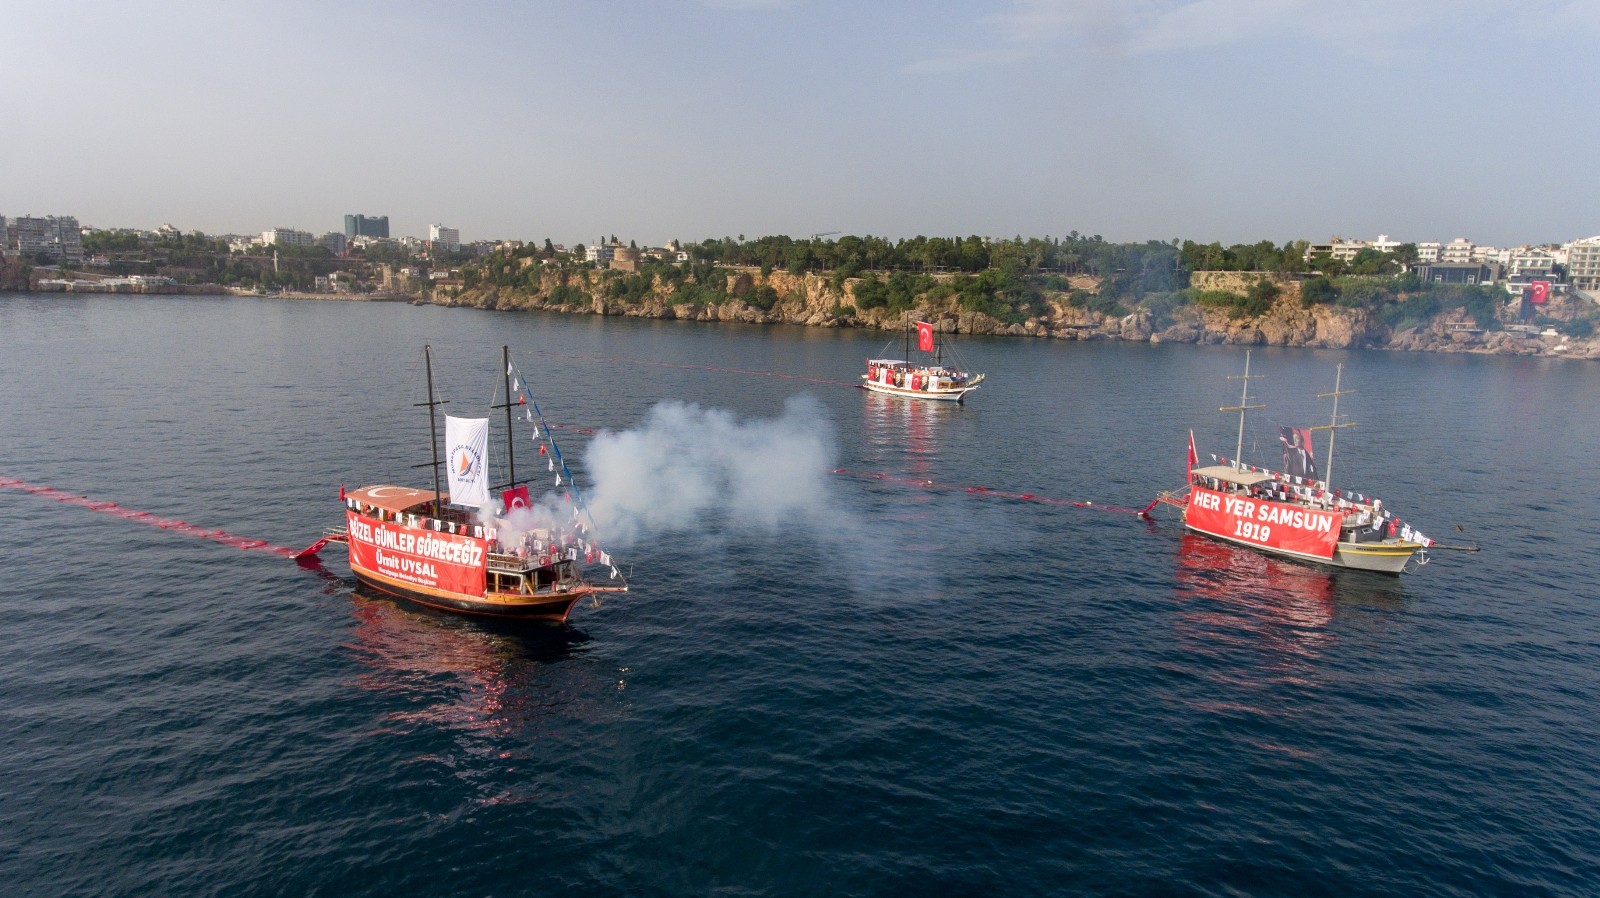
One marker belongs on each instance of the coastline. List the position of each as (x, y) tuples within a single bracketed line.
[(813, 304)]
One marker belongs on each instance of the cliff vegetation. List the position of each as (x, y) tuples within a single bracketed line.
[(1081, 288)]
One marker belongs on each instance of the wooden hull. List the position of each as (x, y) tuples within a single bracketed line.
[(549, 607), (933, 395), (1387, 557)]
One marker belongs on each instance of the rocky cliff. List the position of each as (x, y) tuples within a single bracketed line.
[(813, 300), (13, 274)]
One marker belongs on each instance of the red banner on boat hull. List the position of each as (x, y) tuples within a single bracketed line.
[(1257, 522), (442, 561)]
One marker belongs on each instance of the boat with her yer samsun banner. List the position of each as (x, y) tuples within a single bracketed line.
[(462, 550), (1292, 512), (928, 378)]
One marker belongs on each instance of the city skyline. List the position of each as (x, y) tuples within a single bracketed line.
[(1213, 120)]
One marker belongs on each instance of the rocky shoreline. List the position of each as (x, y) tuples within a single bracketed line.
[(811, 301)]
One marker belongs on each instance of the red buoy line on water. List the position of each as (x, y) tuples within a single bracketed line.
[(145, 517), (718, 368), (983, 491), (257, 545)]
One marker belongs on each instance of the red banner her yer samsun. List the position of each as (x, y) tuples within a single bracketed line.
[(1257, 522)]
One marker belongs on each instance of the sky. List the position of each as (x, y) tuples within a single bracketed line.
[(1226, 120)]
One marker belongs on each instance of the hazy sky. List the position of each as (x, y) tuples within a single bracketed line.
[(1231, 120)]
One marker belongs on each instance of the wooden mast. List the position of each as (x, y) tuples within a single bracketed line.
[(511, 448), (433, 428), (1243, 406), (1332, 427)]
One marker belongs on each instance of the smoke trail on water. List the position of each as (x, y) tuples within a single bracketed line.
[(686, 468)]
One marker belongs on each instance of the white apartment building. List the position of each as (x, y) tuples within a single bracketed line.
[(1532, 259), (1346, 250), (1428, 253), (441, 237), (1583, 263), (1456, 252), (57, 236), (288, 237)]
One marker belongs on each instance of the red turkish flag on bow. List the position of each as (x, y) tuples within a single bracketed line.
[(924, 336), (1193, 457)]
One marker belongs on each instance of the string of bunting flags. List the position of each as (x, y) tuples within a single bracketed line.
[(1312, 490), (544, 438)]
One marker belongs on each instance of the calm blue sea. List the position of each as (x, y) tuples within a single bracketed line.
[(947, 694)]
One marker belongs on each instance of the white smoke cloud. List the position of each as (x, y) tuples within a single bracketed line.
[(699, 478), (688, 468)]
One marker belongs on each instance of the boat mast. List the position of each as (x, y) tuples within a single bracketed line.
[(1333, 425), (511, 449), (1243, 406), (433, 428)]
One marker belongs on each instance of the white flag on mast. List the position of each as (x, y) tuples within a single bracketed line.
[(467, 441)]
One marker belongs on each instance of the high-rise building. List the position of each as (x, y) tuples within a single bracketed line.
[(362, 226), (57, 236), (447, 239)]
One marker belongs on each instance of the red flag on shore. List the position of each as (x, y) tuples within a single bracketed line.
[(1541, 292), (924, 336)]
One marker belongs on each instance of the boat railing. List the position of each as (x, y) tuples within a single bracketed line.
[(336, 534), (500, 561)]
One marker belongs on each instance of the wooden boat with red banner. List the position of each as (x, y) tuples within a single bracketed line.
[(1293, 513), (460, 550), (930, 379)]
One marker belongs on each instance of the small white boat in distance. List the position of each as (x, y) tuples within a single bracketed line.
[(930, 378)]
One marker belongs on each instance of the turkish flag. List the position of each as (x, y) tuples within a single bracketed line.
[(924, 336), (1541, 292), (516, 498), (1192, 456)]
